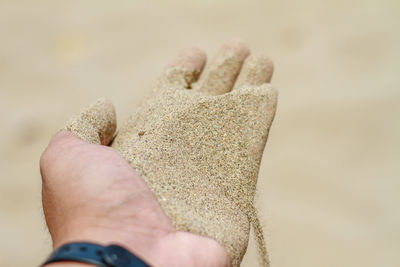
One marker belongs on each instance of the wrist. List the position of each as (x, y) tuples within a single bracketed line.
[(172, 249), (140, 242), (69, 264), (95, 254)]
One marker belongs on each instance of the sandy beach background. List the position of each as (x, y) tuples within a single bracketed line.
[(329, 185)]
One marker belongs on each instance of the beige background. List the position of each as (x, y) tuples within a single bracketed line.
[(329, 183)]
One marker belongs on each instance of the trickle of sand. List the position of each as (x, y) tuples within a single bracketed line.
[(199, 150)]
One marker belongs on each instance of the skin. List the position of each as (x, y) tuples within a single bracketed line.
[(91, 193)]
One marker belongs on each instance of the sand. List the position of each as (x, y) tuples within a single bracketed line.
[(329, 177), (199, 150), (95, 124)]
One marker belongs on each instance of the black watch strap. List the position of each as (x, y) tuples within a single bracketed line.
[(110, 256)]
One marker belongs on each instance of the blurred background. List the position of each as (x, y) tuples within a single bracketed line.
[(329, 185)]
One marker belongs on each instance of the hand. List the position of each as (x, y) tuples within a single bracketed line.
[(197, 146), (90, 193), (198, 142)]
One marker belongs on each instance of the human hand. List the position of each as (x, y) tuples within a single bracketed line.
[(198, 143), (198, 150), (90, 193)]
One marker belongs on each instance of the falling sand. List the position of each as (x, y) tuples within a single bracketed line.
[(199, 145)]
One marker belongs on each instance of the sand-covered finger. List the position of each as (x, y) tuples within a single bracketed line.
[(185, 68), (256, 70), (219, 77), (95, 124)]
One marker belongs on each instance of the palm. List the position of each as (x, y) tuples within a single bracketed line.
[(98, 189)]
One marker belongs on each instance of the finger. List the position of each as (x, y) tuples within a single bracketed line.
[(259, 103), (185, 68), (57, 145), (220, 75), (256, 70), (95, 124)]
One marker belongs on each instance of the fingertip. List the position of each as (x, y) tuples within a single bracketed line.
[(237, 46), (257, 69), (186, 67), (95, 124), (219, 77), (192, 59), (266, 65)]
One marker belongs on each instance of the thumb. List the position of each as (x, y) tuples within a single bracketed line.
[(95, 124)]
